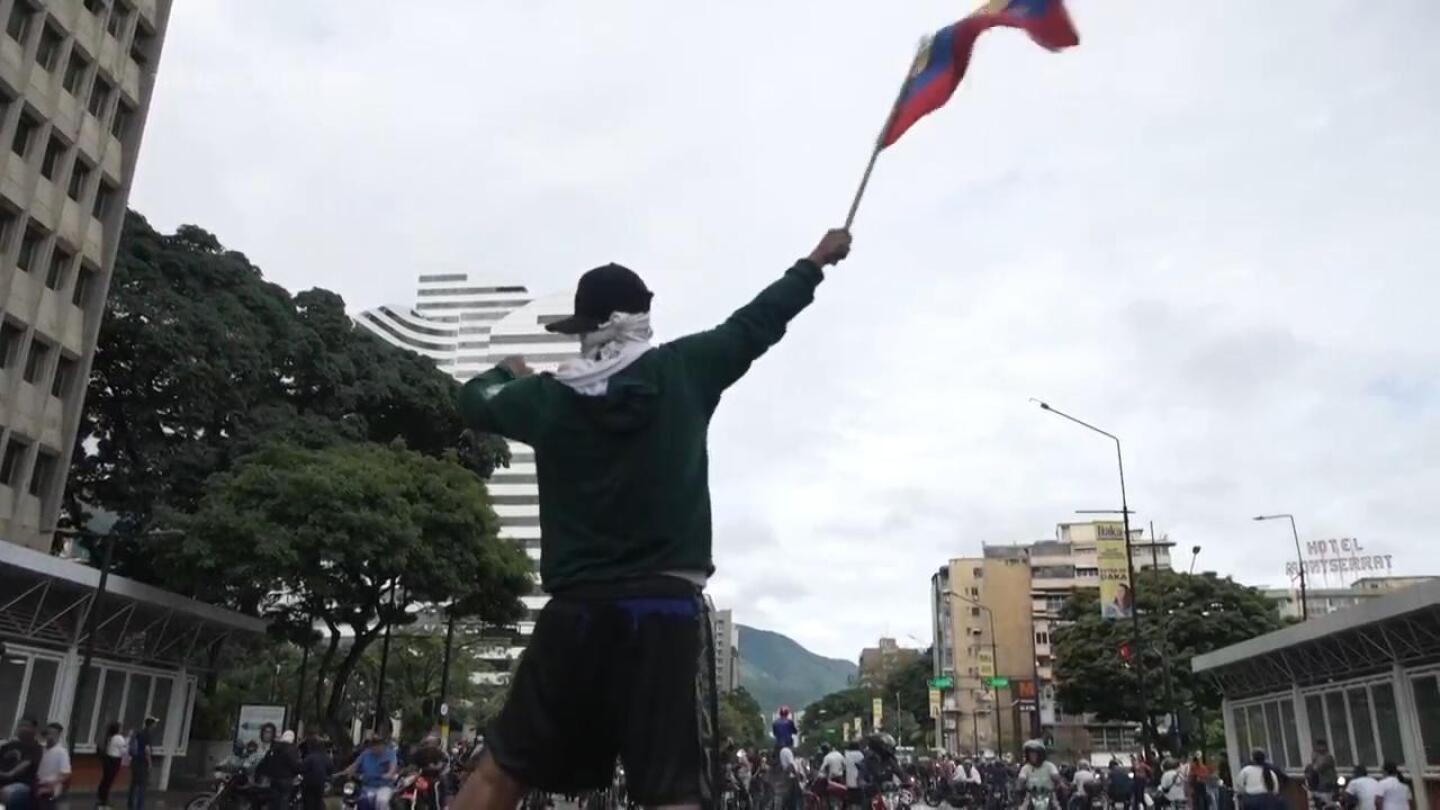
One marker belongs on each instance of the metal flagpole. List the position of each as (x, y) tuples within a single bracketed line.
[(920, 51)]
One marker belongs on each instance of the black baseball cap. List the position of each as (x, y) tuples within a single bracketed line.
[(602, 292)]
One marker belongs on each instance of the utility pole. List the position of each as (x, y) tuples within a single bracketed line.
[(83, 676), (1163, 647), (444, 708)]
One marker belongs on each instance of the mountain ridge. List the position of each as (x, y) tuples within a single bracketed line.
[(778, 671)]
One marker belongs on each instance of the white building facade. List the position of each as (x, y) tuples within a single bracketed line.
[(467, 327)]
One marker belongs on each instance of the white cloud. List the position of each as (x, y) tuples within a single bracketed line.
[(1212, 233)]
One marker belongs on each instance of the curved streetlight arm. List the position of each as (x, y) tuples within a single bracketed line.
[(1299, 560)]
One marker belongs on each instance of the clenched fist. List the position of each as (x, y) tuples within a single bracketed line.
[(833, 247)]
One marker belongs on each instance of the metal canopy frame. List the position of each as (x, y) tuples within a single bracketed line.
[(1407, 639), (40, 608)]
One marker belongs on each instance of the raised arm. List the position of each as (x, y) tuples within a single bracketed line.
[(501, 400), (722, 355)]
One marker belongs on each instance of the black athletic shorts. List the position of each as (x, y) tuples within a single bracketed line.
[(623, 670)]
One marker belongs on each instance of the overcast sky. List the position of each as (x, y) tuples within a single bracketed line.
[(1211, 228)]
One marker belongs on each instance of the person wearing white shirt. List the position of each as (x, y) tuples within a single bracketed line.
[(1254, 782), (1365, 788), (853, 760), (1172, 784), (54, 772), (1394, 789), (832, 766)]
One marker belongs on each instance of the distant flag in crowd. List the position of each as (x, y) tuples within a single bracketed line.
[(941, 62)]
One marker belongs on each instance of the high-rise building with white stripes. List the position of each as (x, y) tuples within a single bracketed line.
[(466, 327)]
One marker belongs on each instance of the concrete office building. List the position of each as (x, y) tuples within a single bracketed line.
[(467, 327), (1024, 586), (878, 663), (1324, 601), (75, 83), (727, 650)]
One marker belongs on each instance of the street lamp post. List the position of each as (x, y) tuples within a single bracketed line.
[(83, 675), (1147, 722), (1299, 560), (1194, 552), (994, 663)]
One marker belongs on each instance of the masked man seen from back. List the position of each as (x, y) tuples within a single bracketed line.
[(621, 655)]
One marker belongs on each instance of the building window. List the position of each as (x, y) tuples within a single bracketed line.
[(13, 460), (119, 17), (1427, 705), (60, 260), (30, 247), (45, 464), (52, 41), (974, 611), (79, 180), (64, 374), (25, 133), (100, 97), (104, 200), (979, 573), (84, 283), (19, 23), (140, 46), (55, 151), (10, 337), (120, 124), (35, 364), (76, 71)]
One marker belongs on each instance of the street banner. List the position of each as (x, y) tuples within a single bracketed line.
[(859, 728), (934, 703), (845, 731), (987, 663), (1116, 599), (877, 712)]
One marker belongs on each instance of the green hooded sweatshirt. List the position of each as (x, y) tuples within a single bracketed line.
[(624, 477)]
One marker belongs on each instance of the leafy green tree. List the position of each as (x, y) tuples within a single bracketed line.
[(200, 361), (912, 684), (1182, 615), (346, 537), (741, 720)]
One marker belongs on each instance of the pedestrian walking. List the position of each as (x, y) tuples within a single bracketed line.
[(620, 446), (112, 753), (54, 772), (315, 772), (140, 761)]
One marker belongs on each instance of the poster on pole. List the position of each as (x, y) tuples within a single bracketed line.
[(253, 716), (934, 704), (877, 712), (859, 728), (845, 730), (1116, 598), (987, 663)]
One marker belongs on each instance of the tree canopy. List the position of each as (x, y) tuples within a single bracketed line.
[(348, 536), (1182, 616), (200, 361), (741, 720)]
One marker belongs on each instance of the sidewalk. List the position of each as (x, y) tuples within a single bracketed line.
[(154, 800)]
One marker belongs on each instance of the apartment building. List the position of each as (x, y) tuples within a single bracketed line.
[(1023, 587), (75, 84)]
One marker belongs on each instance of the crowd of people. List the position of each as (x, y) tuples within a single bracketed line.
[(35, 765), (853, 774)]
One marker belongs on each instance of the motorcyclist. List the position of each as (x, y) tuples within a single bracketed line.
[(1039, 779), (376, 768), (1119, 785), (430, 758)]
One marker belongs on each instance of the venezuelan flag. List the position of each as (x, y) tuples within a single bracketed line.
[(941, 62)]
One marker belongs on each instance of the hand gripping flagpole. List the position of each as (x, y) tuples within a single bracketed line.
[(920, 52)]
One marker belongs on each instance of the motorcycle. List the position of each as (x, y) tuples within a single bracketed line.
[(225, 791), (349, 793), (415, 791), (1037, 798)]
